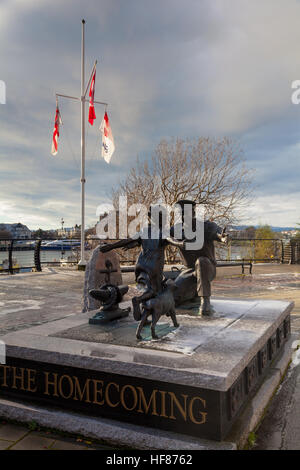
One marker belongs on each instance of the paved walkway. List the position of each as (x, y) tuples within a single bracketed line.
[(35, 298), (18, 437), (268, 281), (31, 299), (280, 428)]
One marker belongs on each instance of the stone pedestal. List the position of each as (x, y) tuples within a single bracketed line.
[(195, 380), (106, 316), (95, 279)]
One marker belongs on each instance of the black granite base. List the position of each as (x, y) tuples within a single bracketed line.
[(196, 411)]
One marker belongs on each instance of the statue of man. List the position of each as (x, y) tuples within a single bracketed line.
[(200, 264)]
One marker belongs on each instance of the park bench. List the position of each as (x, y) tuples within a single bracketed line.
[(241, 263), (173, 273)]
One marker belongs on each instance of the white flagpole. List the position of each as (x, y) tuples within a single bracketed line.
[(82, 180), (83, 100)]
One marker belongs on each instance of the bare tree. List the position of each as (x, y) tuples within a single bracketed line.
[(210, 171)]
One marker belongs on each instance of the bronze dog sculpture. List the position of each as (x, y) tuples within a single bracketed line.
[(162, 304)]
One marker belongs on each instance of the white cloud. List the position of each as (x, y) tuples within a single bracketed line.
[(282, 211), (222, 67)]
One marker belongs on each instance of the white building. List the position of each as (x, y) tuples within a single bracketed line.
[(69, 232), (17, 230)]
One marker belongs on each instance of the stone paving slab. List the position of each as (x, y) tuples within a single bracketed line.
[(11, 432), (35, 298), (33, 442), (4, 445), (18, 437), (63, 445), (280, 428)]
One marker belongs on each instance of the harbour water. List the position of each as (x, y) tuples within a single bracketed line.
[(26, 258)]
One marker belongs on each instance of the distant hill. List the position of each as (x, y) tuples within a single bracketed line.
[(275, 229)]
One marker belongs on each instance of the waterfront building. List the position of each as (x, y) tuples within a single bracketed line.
[(17, 230)]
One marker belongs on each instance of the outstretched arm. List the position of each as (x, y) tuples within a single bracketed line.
[(222, 236), (178, 243), (128, 243)]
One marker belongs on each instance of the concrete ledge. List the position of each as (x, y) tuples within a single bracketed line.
[(113, 432)]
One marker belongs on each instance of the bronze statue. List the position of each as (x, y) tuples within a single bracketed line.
[(150, 263), (109, 295), (162, 304), (200, 264), (158, 296)]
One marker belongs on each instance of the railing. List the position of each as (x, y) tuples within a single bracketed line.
[(20, 255), (237, 250), (16, 256)]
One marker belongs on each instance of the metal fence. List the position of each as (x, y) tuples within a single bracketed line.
[(263, 250), (259, 250), (20, 255)]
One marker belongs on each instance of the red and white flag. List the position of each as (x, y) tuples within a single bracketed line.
[(57, 123), (108, 146), (92, 114)]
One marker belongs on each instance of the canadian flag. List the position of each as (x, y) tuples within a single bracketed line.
[(108, 146), (92, 114), (57, 123)]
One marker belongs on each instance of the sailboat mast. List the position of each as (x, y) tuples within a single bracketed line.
[(82, 179)]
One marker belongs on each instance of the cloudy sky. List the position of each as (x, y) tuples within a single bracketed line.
[(167, 68)]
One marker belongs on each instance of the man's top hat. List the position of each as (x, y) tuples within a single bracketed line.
[(183, 202)]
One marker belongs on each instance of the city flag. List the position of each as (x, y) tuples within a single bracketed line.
[(108, 146), (92, 114), (57, 123)]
